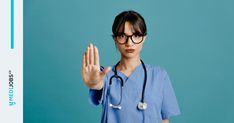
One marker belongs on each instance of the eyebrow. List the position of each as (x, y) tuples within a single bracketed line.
[(135, 33)]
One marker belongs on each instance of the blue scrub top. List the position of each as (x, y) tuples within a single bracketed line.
[(159, 96)]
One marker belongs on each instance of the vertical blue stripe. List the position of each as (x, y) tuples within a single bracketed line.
[(12, 24)]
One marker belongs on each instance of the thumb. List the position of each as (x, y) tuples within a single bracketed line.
[(105, 71)]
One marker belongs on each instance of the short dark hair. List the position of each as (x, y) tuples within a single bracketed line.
[(133, 18)]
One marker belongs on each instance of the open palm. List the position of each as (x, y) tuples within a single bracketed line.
[(91, 74)]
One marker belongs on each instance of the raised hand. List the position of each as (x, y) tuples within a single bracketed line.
[(91, 74)]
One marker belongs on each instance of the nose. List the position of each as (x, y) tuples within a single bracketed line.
[(129, 42)]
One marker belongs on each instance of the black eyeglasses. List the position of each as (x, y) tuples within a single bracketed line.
[(123, 38)]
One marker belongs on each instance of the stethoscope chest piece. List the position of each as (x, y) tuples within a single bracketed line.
[(115, 106), (142, 106)]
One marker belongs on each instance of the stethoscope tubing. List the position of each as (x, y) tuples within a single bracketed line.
[(142, 105)]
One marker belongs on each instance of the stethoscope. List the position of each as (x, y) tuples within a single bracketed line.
[(142, 105)]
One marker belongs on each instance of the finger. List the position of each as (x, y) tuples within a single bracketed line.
[(96, 56), (83, 61), (91, 56), (87, 56), (105, 71)]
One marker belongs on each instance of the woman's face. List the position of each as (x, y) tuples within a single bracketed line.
[(129, 49)]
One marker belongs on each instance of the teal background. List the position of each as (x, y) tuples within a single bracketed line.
[(192, 39)]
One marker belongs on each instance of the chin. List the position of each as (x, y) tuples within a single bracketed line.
[(129, 55)]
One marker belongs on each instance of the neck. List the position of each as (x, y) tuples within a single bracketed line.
[(129, 64)]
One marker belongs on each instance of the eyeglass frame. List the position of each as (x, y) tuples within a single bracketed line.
[(138, 34)]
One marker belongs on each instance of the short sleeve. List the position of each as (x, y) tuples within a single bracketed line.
[(170, 105)]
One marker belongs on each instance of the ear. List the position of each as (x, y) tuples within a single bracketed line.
[(114, 38), (144, 38), (115, 42)]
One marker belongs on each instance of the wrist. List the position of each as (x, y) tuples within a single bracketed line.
[(96, 86)]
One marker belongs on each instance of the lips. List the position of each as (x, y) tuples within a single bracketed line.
[(129, 50)]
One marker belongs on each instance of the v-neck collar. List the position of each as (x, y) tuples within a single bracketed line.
[(132, 74)]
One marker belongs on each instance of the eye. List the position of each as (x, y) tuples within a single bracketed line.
[(136, 36), (121, 36)]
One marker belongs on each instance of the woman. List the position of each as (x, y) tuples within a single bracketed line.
[(130, 91)]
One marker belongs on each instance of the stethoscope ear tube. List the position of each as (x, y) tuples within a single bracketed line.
[(141, 105), (117, 77), (115, 106), (144, 104)]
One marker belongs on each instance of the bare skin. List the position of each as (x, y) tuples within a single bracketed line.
[(91, 74)]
